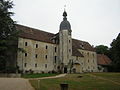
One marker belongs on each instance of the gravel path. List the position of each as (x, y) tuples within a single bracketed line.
[(20, 83), (57, 76), (15, 84)]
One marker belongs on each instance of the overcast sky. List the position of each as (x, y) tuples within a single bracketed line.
[(94, 21)]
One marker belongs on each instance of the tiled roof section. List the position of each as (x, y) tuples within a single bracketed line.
[(30, 33), (75, 52), (103, 59), (82, 45)]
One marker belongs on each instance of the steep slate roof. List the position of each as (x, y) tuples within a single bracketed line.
[(35, 34), (103, 59), (82, 45)]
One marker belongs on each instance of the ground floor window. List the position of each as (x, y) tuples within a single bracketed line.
[(45, 65)]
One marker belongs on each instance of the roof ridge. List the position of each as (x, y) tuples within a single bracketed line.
[(79, 40), (34, 28)]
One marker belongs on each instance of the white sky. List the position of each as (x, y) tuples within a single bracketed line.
[(94, 21)]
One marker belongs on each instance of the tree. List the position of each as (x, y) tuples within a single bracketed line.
[(8, 35), (115, 52), (101, 49)]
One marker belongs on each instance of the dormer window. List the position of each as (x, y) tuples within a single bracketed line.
[(82, 45)]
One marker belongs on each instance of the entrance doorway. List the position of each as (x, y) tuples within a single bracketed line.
[(65, 69)]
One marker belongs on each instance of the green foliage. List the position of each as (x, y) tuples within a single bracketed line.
[(8, 33), (101, 49), (115, 50)]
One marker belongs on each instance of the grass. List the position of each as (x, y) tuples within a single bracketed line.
[(86, 82), (37, 75), (110, 76)]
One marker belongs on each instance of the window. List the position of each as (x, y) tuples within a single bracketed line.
[(46, 46), (25, 54), (82, 45), (69, 50), (45, 65), (54, 66), (77, 58), (88, 67), (88, 54), (36, 55), (36, 65), (55, 49), (25, 43), (46, 56), (88, 60), (69, 41), (55, 58), (25, 64), (36, 45), (93, 55)]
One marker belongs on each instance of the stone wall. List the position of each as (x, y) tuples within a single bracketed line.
[(90, 61), (39, 56)]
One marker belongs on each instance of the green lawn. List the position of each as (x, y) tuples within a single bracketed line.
[(37, 75), (87, 82), (110, 76)]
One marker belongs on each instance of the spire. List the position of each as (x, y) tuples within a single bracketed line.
[(65, 25), (65, 13)]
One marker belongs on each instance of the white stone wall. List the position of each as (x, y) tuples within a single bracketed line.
[(45, 60), (79, 61), (65, 46), (90, 61)]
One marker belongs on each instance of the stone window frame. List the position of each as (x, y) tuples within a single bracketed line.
[(46, 47), (36, 55), (88, 54), (36, 45), (26, 54), (45, 65), (55, 58), (36, 65), (25, 64), (26, 44), (93, 55), (69, 50), (46, 56), (69, 41), (88, 60), (55, 49), (88, 67)]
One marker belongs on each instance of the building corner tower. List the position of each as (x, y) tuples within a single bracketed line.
[(65, 44)]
